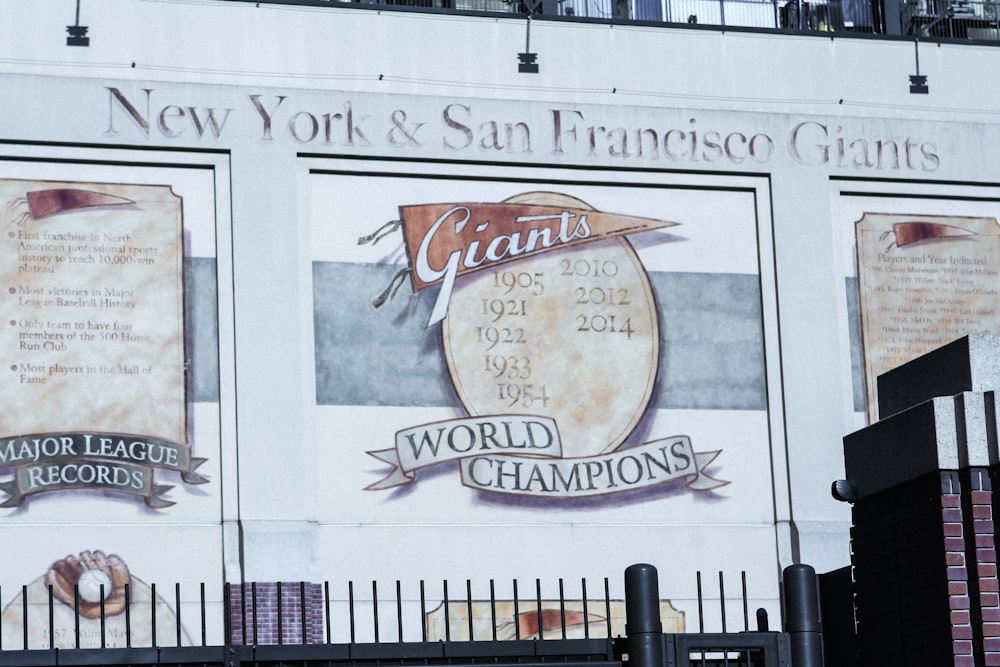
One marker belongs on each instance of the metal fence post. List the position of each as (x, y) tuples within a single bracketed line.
[(643, 629), (802, 619)]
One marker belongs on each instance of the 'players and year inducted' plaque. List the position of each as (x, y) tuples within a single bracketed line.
[(924, 281)]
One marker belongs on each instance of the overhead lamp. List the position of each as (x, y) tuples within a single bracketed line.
[(918, 81), (843, 491), (528, 61), (77, 32), (918, 84)]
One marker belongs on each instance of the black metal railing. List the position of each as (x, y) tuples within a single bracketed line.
[(298, 622), (940, 19), (951, 19)]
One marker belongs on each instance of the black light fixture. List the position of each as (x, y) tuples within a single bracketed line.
[(918, 81), (527, 61), (77, 32), (843, 491), (527, 64)]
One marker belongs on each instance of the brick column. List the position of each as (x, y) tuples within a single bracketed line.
[(953, 521), (985, 611), (259, 603), (910, 576), (924, 547)]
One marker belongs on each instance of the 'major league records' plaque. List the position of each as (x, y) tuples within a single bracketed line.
[(92, 340)]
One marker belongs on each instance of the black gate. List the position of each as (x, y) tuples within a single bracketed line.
[(644, 643)]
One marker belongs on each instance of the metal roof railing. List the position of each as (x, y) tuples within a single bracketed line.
[(965, 20)]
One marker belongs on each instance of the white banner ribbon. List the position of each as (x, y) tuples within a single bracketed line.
[(521, 455)]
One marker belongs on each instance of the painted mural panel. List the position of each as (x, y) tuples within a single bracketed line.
[(537, 619), (81, 601), (923, 265), (111, 446), (93, 282), (496, 349), (105, 308)]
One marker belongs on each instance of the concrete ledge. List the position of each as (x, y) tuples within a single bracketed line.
[(903, 447), (971, 363), (944, 433)]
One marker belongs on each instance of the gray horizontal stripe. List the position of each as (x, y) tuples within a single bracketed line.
[(711, 354)]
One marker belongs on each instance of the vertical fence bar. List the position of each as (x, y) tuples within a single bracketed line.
[(607, 605), (538, 607), (177, 610), (493, 610), (280, 603), (227, 613), (24, 615), (204, 641), (722, 599), (399, 612), (701, 615), (562, 607), (423, 612), (100, 591), (243, 609), (746, 608), (350, 606), (76, 617), (375, 608), (586, 610), (253, 610), (152, 602), (326, 608), (128, 616), (468, 607), (52, 618), (447, 615), (302, 610)]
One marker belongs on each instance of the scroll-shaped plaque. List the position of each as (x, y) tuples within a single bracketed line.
[(924, 281), (92, 338)]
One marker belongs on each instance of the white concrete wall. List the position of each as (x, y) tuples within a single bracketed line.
[(805, 96)]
